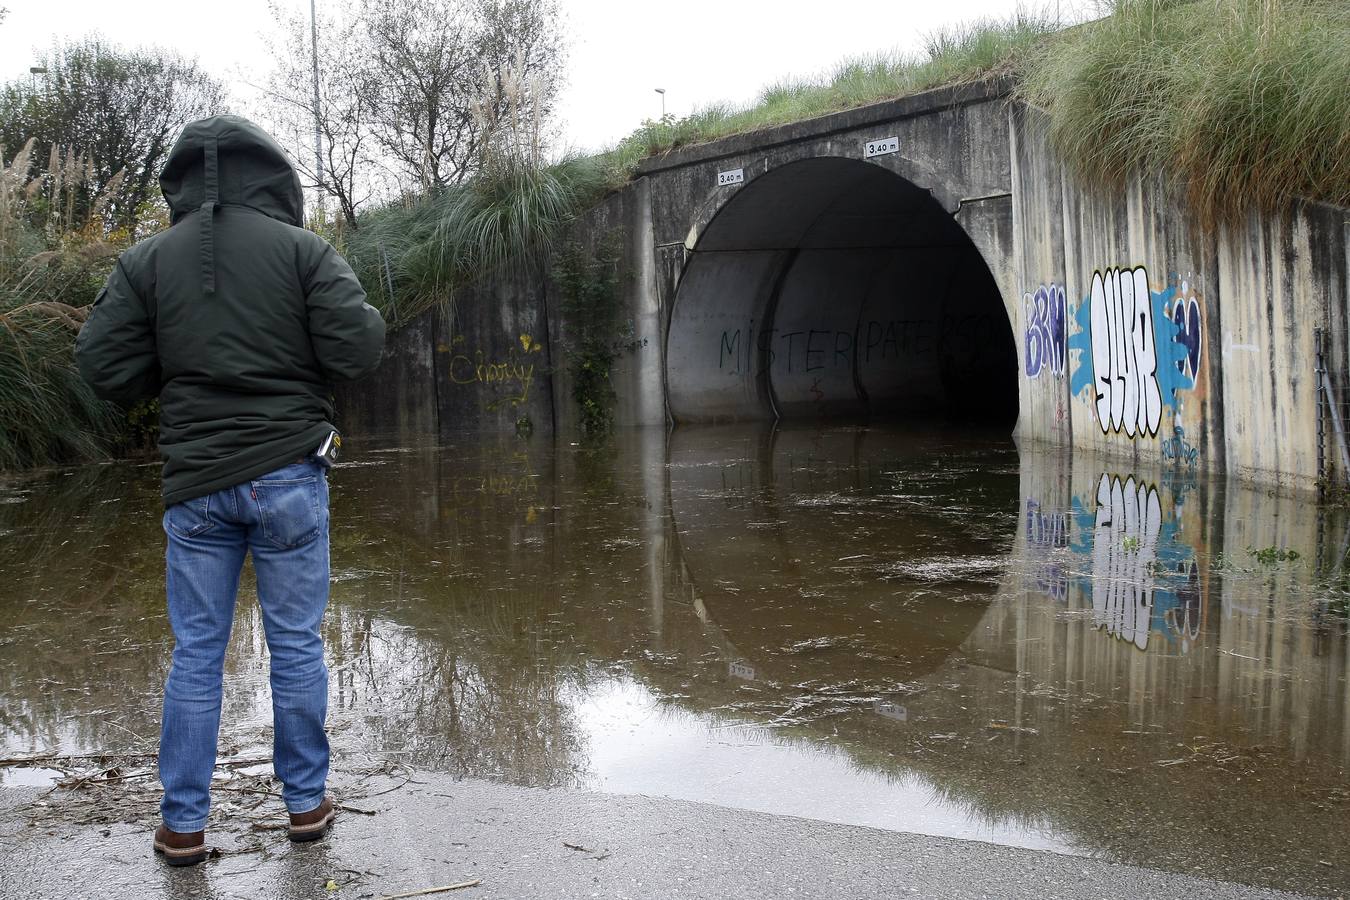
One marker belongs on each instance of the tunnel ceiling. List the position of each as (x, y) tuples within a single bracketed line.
[(834, 288), (830, 203)]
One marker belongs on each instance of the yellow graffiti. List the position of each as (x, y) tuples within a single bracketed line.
[(479, 369)]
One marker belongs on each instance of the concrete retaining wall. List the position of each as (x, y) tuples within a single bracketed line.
[(1144, 337), (483, 362), (1138, 335)]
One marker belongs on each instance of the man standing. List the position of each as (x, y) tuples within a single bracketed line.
[(238, 320)]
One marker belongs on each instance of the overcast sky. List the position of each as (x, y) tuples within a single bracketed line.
[(700, 51)]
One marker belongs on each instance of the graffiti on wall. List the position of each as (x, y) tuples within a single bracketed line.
[(1139, 349), (750, 350), (1046, 315), (512, 372), (1185, 316)]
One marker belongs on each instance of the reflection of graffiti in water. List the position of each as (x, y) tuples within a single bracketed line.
[(1185, 619), (1048, 531), (1124, 551), (1144, 576)]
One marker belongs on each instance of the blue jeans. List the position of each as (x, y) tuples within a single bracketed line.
[(282, 518)]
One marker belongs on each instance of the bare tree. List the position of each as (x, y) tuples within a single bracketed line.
[(423, 52), (435, 60), (409, 89), (343, 115)]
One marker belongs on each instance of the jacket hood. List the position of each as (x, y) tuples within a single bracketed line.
[(228, 159), (250, 169)]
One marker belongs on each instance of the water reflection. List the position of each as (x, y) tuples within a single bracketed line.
[(928, 632)]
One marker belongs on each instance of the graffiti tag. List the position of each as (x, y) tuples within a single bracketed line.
[(1177, 449), (1186, 318), (1046, 317), (513, 372), (1137, 349), (1124, 353)]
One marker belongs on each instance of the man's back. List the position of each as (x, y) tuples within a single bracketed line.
[(235, 317)]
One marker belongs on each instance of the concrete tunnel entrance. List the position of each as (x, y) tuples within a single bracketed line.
[(833, 288)]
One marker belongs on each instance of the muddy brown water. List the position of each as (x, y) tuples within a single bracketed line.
[(915, 631)]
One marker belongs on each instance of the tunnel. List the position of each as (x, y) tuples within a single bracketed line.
[(831, 288)]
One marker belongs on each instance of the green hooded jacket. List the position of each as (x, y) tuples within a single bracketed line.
[(235, 317)]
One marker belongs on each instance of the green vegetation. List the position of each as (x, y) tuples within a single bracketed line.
[(1246, 103), (1271, 556), (47, 260), (412, 257), (960, 54), (590, 287)]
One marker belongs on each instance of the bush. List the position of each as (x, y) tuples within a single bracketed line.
[(411, 257), (1245, 102)]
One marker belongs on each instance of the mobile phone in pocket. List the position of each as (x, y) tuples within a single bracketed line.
[(329, 450)]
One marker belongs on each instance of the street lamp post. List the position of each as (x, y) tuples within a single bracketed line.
[(662, 92), (318, 137)]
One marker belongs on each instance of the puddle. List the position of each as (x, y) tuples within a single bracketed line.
[(926, 633), (16, 776)]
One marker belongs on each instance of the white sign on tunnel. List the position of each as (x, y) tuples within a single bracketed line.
[(732, 176), (881, 147)]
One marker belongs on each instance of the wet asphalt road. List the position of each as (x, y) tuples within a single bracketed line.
[(525, 842)]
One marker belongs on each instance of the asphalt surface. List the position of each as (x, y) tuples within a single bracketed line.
[(527, 843)]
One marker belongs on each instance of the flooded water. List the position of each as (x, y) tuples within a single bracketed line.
[(919, 632)]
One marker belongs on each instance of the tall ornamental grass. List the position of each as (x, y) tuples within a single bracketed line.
[(50, 269), (1244, 102), (413, 257)]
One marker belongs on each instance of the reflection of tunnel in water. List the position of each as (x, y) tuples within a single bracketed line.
[(835, 288), (804, 578)]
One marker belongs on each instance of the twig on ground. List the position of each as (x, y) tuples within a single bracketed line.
[(41, 759), (434, 890)]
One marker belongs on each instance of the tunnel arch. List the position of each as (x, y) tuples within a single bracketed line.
[(834, 288)]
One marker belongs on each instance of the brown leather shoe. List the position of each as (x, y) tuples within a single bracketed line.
[(312, 825), (180, 848)]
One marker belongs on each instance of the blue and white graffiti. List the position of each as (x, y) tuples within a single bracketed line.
[(1137, 349), (1046, 314)]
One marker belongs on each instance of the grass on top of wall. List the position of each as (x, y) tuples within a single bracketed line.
[(1246, 103), (953, 55)]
